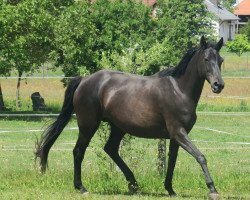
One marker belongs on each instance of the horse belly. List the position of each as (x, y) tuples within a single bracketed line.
[(150, 132), (140, 124)]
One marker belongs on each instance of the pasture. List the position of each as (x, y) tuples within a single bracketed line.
[(224, 140)]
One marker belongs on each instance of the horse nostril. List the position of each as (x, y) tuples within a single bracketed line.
[(216, 85)]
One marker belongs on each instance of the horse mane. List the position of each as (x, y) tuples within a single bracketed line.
[(180, 69)]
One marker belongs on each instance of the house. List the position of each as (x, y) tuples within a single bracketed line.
[(242, 10), (225, 22)]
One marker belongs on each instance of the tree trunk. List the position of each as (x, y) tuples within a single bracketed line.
[(18, 103), (2, 107), (162, 157)]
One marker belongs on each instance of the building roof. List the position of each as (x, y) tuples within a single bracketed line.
[(243, 8), (220, 12)]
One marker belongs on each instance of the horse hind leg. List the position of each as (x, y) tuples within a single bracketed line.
[(173, 152), (111, 148), (84, 138)]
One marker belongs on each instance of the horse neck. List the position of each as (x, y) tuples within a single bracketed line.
[(191, 83)]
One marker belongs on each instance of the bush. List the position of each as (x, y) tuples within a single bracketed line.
[(239, 45)]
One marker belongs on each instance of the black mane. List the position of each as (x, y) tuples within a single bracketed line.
[(180, 68)]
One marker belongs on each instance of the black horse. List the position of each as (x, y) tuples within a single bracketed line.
[(158, 106)]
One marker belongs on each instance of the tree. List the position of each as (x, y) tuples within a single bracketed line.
[(239, 45), (25, 40), (228, 4), (102, 30), (180, 25), (4, 65), (246, 31)]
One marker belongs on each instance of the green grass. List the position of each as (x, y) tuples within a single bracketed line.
[(234, 65), (228, 163)]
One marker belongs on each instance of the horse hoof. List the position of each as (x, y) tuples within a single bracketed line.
[(83, 191), (171, 192), (133, 187), (173, 195), (213, 196)]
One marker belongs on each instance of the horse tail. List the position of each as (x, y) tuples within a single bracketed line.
[(52, 132)]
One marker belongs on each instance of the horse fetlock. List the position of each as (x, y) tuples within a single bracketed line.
[(133, 187), (78, 185), (81, 189), (170, 190), (172, 193), (211, 187), (84, 191), (214, 196)]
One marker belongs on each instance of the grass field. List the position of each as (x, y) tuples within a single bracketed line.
[(234, 65), (225, 140)]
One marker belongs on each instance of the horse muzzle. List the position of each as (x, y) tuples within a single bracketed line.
[(217, 87)]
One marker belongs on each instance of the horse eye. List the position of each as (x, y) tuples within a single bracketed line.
[(206, 59)]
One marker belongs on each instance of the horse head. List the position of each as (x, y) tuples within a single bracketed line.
[(211, 62)]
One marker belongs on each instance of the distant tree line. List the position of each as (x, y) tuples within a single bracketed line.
[(83, 37)]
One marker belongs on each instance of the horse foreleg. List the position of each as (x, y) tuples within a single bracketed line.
[(111, 148), (183, 140), (173, 152)]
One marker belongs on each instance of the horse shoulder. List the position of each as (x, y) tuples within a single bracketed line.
[(177, 107)]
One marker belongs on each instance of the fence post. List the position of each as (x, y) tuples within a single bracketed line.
[(223, 66), (247, 61), (162, 157), (1, 99)]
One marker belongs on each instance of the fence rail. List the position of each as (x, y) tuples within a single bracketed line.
[(55, 115), (70, 77)]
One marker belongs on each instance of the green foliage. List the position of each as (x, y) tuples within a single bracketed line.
[(100, 29), (25, 37), (246, 30), (74, 37), (239, 45), (228, 4), (186, 21), (123, 35), (84, 37), (26, 29)]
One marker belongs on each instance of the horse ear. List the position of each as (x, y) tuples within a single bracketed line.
[(203, 42), (219, 44)]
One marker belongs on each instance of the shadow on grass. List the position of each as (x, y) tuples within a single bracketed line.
[(162, 195), (149, 194)]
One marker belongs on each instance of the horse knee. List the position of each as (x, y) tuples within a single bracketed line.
[(202, 160)]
